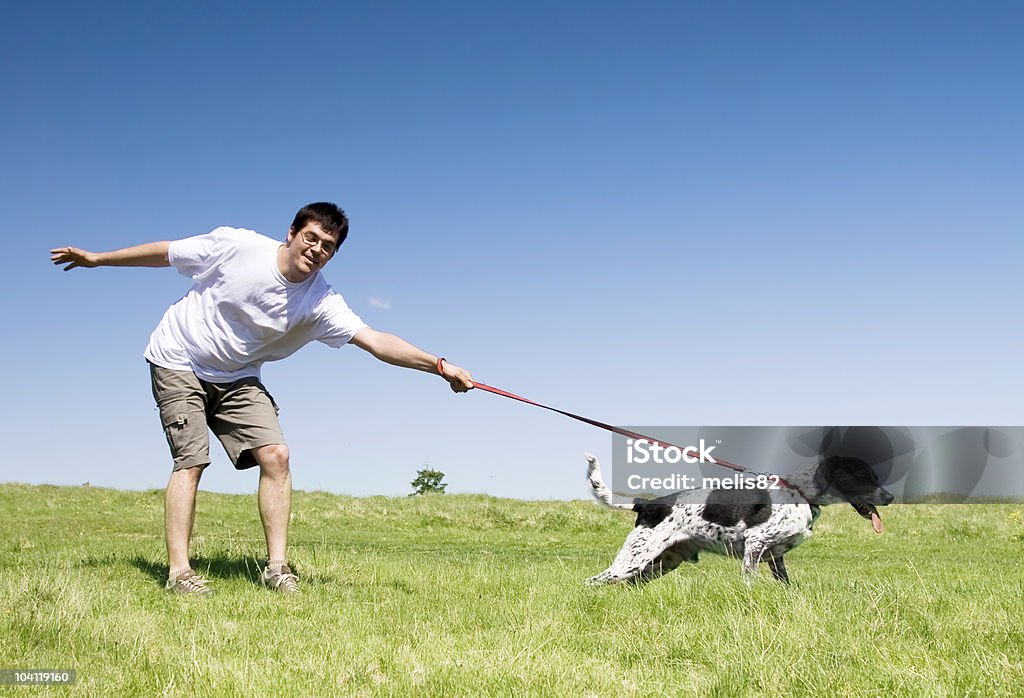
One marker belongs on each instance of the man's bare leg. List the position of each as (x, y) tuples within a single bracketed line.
[(179, 513), (275, 498)]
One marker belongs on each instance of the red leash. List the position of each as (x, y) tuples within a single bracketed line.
[(628, 433), (617, 430)]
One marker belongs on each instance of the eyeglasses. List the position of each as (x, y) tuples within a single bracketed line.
[(312, 241)]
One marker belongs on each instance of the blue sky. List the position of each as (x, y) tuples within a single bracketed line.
[(667, 214)]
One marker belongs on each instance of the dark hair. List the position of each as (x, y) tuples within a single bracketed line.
[(330, 217)]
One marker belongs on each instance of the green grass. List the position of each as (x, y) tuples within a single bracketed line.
[(472, 595)]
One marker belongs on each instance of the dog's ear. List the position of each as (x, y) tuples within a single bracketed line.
[(843, 475), (832, 477), (824, 474)]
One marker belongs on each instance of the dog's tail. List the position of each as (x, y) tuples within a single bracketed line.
[(598, 488)]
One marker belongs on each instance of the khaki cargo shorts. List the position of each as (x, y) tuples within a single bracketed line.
[(242, 414)]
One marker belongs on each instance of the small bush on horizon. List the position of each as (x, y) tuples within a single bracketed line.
[(428, 480)]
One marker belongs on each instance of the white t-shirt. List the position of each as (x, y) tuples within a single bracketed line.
[(241, 311)]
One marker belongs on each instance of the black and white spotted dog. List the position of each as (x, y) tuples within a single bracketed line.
[(754, 525)]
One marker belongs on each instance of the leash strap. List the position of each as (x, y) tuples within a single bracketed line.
[(617, 430), (607, 427)]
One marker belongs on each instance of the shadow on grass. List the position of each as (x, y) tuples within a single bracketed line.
[(215, 567), (223, 566)]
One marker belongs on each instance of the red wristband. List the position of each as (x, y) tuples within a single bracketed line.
[(439, 371)]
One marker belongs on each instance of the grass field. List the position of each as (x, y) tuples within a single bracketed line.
[(472, 595)]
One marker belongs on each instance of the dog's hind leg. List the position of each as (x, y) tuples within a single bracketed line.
[(778, 567)]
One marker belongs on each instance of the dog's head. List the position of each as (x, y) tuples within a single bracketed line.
[(843, 479)]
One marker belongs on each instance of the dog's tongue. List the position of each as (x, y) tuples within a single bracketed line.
[(876, 522)]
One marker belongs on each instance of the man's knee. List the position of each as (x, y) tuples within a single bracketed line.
[(189, 475), (273, 459)]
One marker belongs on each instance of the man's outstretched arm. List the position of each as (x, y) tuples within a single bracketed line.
[(395, 350), (150, 254)]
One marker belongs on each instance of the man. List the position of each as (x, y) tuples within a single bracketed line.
[(253, 300)]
